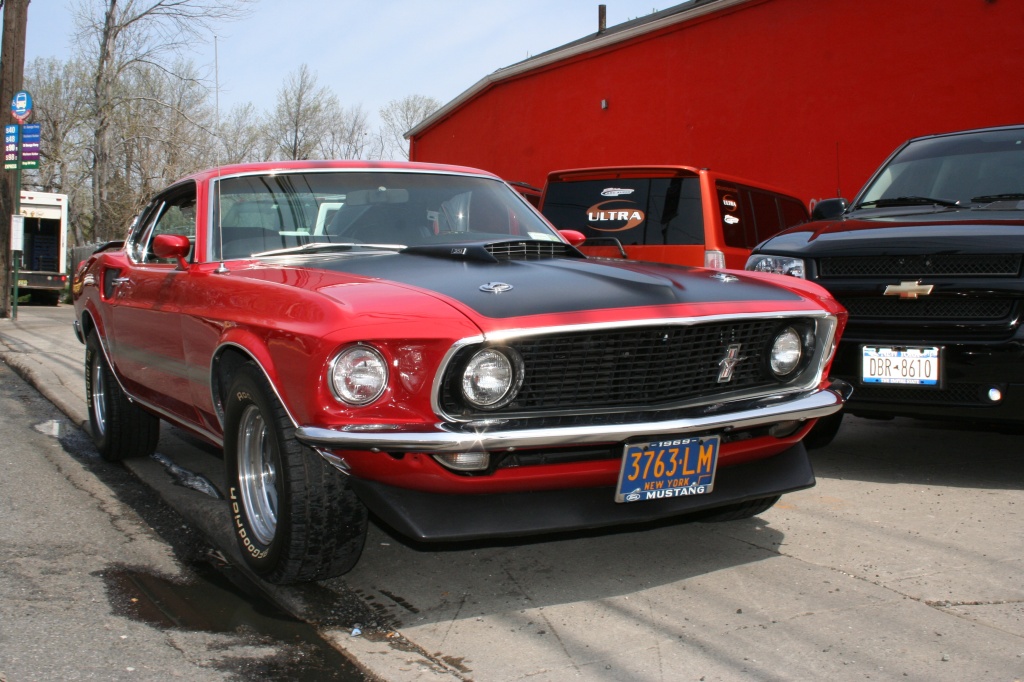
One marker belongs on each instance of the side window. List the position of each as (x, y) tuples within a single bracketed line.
[(767, 220), (793, 212), (737, 220), (171, 213)]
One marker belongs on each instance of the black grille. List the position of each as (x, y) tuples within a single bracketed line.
[(929, 309), (629, 368), (962, 265), (527, 250)]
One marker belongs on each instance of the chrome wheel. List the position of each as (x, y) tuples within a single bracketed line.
[(98, 396), (257, 474)]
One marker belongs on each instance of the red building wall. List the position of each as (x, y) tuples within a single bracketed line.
[(810, 95)]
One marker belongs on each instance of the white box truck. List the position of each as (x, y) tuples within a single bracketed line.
[(43, 271)]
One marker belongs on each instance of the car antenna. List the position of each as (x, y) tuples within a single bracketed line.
[(221, 268)]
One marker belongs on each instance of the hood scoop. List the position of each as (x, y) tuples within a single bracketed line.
[(493, 252)]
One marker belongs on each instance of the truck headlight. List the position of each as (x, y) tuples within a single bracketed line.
[(358, 375), (492, 378), (778, 265)]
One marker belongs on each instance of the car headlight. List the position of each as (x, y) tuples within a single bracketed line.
[(492, 378), (787, 351), (358, 375), (779, 265)]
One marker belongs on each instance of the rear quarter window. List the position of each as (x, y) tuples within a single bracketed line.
[(751, 215)]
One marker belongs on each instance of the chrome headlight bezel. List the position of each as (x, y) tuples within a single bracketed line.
[(358, 375), (792, 347), (777, 265), (501, 368)]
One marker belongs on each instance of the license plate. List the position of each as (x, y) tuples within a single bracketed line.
[(903, 365), (22, 282), (674, 467)]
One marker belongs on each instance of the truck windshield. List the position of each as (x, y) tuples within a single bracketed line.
[(953, 168)]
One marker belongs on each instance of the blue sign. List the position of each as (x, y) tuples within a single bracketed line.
[(30, 134), (21, 105), (11, 134)]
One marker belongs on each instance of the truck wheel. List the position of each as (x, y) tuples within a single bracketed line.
[(120, 428), (822, 433), (294, 515), (743, 510)]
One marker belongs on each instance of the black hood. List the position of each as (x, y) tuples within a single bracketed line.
[(557, 285), (862, 234)]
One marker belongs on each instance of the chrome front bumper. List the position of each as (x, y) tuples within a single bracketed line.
[(447, 438)]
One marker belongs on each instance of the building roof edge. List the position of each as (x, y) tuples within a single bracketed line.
[(628, 30)]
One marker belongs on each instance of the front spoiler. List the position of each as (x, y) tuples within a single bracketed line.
[(446, 437), (433, 517)]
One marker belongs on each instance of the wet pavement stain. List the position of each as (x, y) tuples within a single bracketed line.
[(400, 601), (212, 602)]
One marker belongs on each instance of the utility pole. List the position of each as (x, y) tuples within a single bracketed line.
[(12, 75)]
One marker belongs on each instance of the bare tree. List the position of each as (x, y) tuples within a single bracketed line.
[(347, 136), (242, 135), (303, 114), (61, 92), (397, 118), (122, 37)]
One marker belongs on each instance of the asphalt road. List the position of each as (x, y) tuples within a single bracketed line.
[(905, 562)]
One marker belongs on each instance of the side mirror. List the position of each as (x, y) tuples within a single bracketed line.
[(829, 209), (574, 237), (172, 246)]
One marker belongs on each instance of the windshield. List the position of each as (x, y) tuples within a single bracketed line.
[(268, 212), (964, 169)]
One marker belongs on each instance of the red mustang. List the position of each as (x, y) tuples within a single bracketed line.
[(417, 341)]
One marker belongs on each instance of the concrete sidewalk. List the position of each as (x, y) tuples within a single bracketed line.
[(41, 347)]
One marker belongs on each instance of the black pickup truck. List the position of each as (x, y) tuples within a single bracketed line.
[(927, 260)]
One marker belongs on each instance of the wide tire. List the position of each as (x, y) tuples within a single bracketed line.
[(824, 431), (294, 515), (743, 510), (120, 428)]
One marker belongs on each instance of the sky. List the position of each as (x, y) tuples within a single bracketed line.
[(368, 52)]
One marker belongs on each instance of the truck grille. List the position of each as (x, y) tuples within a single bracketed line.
[(943, 310), (618, 369), (949, 265)]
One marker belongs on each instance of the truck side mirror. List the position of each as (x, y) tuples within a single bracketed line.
[(829, 209)]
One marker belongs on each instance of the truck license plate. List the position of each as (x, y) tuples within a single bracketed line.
[(672, 467), (904, 365), (22, 282)]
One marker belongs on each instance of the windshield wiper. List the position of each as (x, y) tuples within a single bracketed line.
[(314, 247), (907, 201), (989, 198)]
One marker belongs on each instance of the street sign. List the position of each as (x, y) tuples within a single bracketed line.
[(21, 106), (30, 133), (11, 134), (17, 232)]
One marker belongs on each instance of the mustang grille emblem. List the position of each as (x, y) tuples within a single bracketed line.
[(727, 365), (908, 289)]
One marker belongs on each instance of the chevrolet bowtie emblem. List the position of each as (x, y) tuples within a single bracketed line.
[(909, 289)]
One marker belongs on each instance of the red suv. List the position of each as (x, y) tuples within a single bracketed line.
[(668, 214)]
